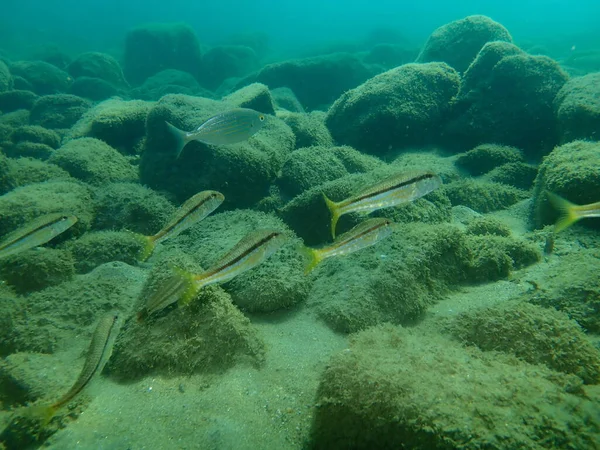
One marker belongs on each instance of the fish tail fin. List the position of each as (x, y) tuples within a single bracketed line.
[(335, 213), (568, 212), (180, 136), (148, 246), (189, 287), (42, 414), (313, 257)]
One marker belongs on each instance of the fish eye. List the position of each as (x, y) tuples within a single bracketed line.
[(64, 218), (261, 118)]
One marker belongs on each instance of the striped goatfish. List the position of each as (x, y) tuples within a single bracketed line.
[(38, 232), (98, 355), (570, 212), (183, 286), (229, 127), (363, 235), (191, 212), (392, 191)]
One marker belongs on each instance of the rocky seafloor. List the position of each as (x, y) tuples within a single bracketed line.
[(462, 330)]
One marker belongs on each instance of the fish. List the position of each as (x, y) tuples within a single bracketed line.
[(230, 127), (98, 355), (363, 235), (38, 232), (393, 191), (191, 212), (182, 286), (570, 212)]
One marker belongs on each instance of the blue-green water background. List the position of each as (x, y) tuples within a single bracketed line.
[(293, 26)]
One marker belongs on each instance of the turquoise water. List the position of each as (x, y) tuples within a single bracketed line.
[(299, 225)]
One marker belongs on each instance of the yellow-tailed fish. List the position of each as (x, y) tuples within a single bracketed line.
[(98, 355), (230, 127), (191, 212), (363, 235), (38, 232), (248, 253), (392, 191), (570, 212)]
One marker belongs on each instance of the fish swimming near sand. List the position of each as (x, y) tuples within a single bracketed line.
[(182, 286), (230, 127), (98, 355), (191, 212), (393, 191), (38, 232), (570, 212), (363, 235)]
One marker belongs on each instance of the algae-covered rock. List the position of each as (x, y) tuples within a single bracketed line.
[(36, 134), (389, 55), (284, 98), (577, 107), (483, 225), (254, 96), (121, 124), (277, 283), (100, 247), (457, 43), (517, 174), (396, 389), (393, 281), (310, 129), (208, 335), (486, 157), (571, 171), (26, 203), (534, 334), (29, 150), (309, 167), (226, 61), (508, 99), (15, 119), (37, 269), (402, 107), (93, 161), (243, 172), (318, 80), (158, 46), (97, 65), (42, 77), (5, 77), (131, 206), (58, 111), (169, 81), (13, 100), (25, 171), (94, 89), (483, 196)]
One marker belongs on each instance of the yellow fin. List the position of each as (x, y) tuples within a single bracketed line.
[(335, 213), (190, 286), (313, 257), (567, 210), (42, 414), (148, 249)]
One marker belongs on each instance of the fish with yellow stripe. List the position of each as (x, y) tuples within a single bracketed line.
[(191, 212), (393, 191), (183, 286), (38, 232), (230, 127), (363, 235), (570, 212)]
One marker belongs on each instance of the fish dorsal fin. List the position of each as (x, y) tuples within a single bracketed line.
[(245, 246), (393, 182), (362, 228)]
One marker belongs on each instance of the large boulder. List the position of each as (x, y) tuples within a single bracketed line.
[(97, 65), (242, 172), (43, 78), (58, 111), (506, 97), (14, 100), (159, 46), (5, 77), (578, 108), (457, 43), (226, 61), (402, 107)]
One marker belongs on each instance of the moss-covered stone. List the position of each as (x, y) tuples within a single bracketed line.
[(255, 96), (486, 157), (487, 225), (15, 99), (169, 81), (30, 150), (457, 43), (403, 107), (577, 107), (517, 174), (58, 111), (42, 77), (208, 335), (23, 204), (5, 77), (285, 99), (534, 334), (394, 388), (100, 247), (37, 134), (483, 196), (93, 161), (35, 269), (97, 65), (94, 89), (571, 171), (310, 129), (23, 171), (15, 119), (131, 206), (226, 61), (309, 167)]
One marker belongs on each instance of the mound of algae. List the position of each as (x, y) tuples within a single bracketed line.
[(393, 388)]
